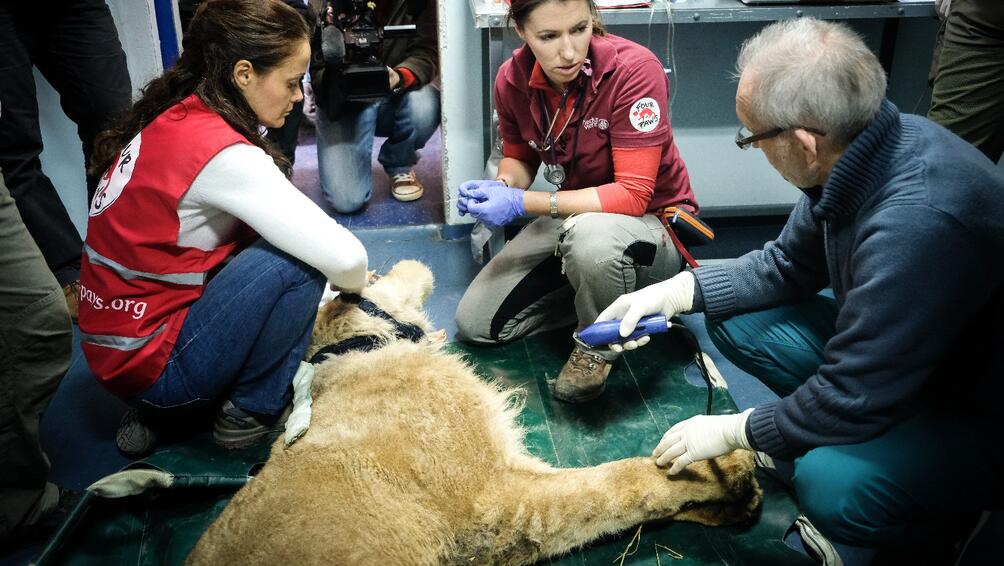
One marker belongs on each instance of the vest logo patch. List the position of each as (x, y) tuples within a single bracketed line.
[(595, 122), (116, 178), (645, 114)]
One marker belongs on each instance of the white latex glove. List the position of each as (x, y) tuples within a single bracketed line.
[(299, 418), (701, 438), (943, 7), (670, 297)]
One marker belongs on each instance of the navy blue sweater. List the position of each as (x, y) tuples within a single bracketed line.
[(909, 232)]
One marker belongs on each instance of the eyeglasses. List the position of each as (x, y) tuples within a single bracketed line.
[(746, 138)]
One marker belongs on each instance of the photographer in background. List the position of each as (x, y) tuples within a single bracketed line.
[(407, 115)]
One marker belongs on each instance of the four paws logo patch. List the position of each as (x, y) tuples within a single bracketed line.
[(116, 177), (645, 114)]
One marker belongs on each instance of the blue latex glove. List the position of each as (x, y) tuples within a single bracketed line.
[(465, 193), (491, 202)]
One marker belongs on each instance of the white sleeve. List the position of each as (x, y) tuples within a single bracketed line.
[(243, 181)]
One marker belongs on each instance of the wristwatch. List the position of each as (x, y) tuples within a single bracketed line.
[(554, 204)]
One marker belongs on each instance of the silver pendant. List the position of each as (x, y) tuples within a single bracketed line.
[(554, 174)]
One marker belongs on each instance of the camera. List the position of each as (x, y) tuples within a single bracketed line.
[(346, 63)]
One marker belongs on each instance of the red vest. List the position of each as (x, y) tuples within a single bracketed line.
[(136, 282)]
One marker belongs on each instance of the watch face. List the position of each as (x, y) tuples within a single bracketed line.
[(554, 174)]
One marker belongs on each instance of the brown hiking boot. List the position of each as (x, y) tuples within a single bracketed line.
[(583, 377), (71, 292)]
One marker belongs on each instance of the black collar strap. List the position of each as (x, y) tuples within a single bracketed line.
[(368, 342)]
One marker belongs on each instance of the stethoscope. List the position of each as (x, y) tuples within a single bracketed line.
[(554, 172)]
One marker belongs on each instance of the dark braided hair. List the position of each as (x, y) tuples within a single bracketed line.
[(223, 32)]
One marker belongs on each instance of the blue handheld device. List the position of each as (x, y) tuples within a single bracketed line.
[(608, 332)]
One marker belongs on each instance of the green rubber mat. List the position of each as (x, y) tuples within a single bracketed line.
[(646, 393)]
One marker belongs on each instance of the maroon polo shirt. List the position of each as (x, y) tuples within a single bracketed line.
[(625, 106)]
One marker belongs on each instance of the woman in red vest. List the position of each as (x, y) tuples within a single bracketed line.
[(593, 109), (203, 265)]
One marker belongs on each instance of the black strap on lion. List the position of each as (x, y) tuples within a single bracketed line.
[(367, 342)]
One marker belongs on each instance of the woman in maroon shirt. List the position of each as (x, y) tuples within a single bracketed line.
[(592, 107)]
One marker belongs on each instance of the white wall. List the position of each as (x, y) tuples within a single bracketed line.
[(62, 159), (461, 82)]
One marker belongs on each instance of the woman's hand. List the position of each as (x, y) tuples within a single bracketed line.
[(465, 190), (491, 202)]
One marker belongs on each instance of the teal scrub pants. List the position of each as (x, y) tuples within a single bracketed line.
[(924, 477)]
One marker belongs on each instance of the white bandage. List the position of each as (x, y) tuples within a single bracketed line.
[(299, 418)]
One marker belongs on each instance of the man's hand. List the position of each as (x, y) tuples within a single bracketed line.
[(491, 202), (395, 78), (701, 438), (670, 297)]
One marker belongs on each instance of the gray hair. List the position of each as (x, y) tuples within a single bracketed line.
[(809, 72)]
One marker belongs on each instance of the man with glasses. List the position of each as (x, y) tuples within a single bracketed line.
[(888, 389)]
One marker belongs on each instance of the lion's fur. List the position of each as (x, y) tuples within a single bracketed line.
[(412, 459)]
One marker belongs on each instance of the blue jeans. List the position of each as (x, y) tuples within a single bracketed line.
[(909, 483), (345, 146), (243, 339)]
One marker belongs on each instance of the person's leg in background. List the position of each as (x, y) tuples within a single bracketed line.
[(345, 156), (83, 59), (78, 51), (186, 11), (35, 346), (285, 138), (37, 200), (407, 121), (242, 341), (605, 256), (968, 91)]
